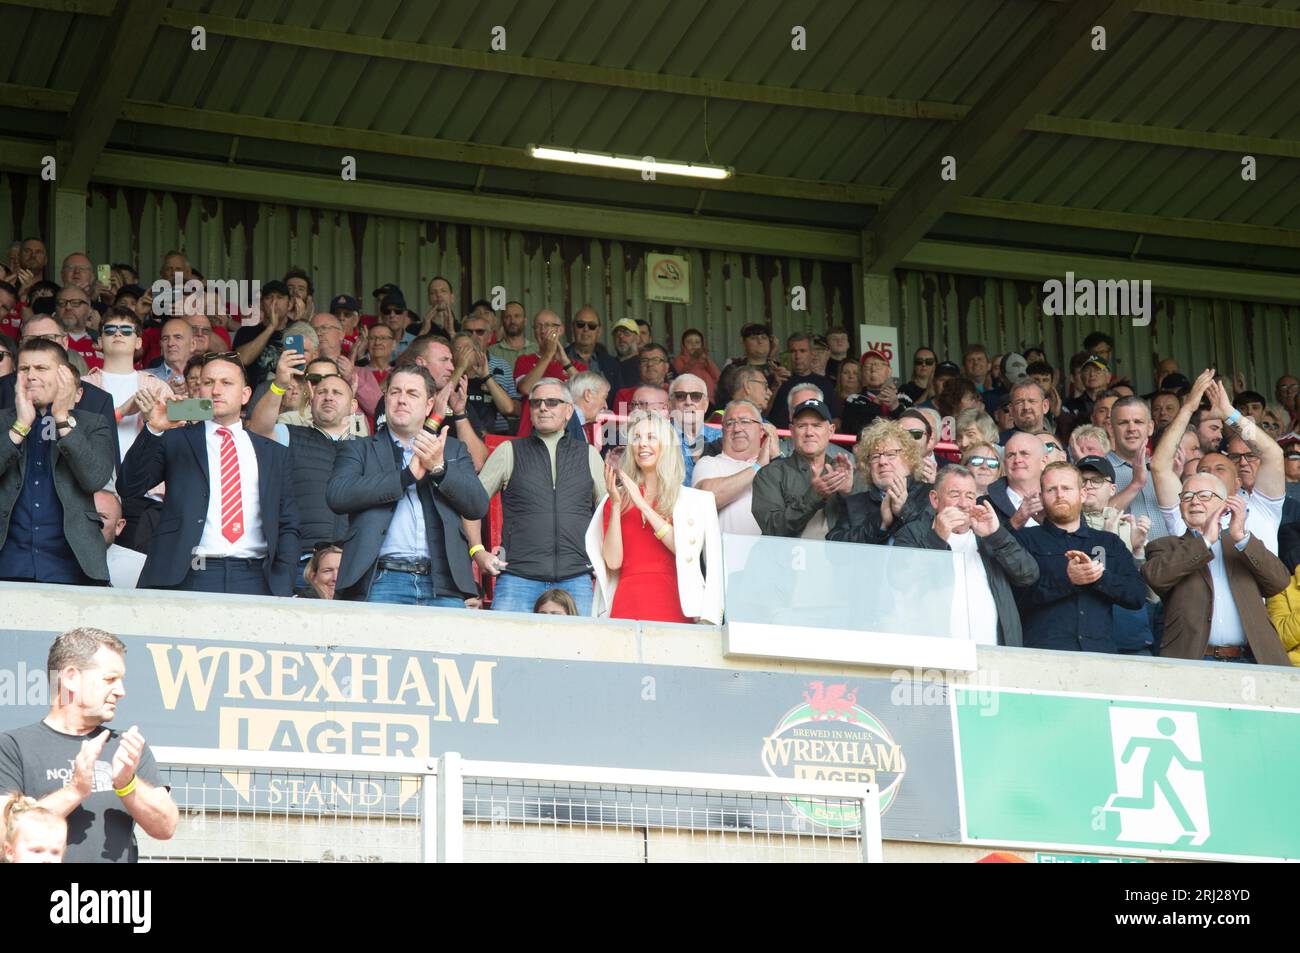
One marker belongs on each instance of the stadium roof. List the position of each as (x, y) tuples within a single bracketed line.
[(1135, 151)]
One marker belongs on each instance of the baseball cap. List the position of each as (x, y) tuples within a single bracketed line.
[(878, 355), (131, 291), (387, 289), (393, 299), (1015, 368), (343, 302), (948, 367), (1290, 442), (627, 324), (754, 329), (274, 286), (1095, 360), (816, 406), (1097, 465), (1176, 382)]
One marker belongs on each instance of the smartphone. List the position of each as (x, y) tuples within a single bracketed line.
[(105, 274), (193, 408), (294, 342)]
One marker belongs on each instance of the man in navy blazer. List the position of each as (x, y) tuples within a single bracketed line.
[(229, 521), (406, 491)]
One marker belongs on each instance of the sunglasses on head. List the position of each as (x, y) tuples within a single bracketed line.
[(232, 356), (126, 330), (990, 462)]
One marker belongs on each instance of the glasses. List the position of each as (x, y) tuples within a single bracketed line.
[(586, 325), (232, 356), (737, 422), (550, 403), (694, 396), (1292, 455), (73, 303), (924, 362), (989, 462), (646, 405), (652, 361), (126, 330), (1203, 495), (918, 434), (56, 338), (1095, 482), (1249, 457), (1271, 426), (338, 328), (884, 455)]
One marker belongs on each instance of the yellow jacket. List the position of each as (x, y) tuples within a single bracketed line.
[(1284, 612)]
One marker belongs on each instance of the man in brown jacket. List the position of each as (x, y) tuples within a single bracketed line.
[(1213, 588)]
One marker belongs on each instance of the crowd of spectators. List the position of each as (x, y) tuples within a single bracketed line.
[(327, 453)]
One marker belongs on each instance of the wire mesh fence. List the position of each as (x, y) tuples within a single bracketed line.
[(288, 816), (239, 807), (520, 820)]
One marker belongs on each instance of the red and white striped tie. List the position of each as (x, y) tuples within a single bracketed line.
[(232, 504)]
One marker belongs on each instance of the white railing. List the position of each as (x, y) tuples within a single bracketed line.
[(241, 806)]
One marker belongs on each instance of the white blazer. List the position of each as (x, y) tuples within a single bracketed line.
[(695, 532)]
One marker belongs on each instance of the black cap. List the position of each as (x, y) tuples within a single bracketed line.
[(393, 299), (133, 291), (754, 329), (1099, 465), (274, 286), (387, 289), (948, 367), (1176, 382), (815, 405), (1095, 360), (341, 302), (44, 305)]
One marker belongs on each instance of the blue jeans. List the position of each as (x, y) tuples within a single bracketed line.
[(408, 589), (512, 593)]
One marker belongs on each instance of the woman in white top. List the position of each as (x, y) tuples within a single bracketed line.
[(655, 544)]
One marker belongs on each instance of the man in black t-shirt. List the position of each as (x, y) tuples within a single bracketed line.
[(103, 781), (259, 345), (801, 362)]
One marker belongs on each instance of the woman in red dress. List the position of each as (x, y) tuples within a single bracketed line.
[(638, 541)]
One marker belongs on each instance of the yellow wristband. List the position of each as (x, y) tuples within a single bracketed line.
[(475, 549), (277, 390), (128, 789), (663, 532), (21, 429)]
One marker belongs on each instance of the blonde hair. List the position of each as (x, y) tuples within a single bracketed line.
[(670, 471), (881, 430), (977, 418), (974, 451), (1090, 432), (19, 809)]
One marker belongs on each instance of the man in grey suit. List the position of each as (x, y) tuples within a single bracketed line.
[(52, 460), (406, 490)]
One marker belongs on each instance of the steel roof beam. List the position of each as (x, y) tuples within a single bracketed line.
[(1057, 56)]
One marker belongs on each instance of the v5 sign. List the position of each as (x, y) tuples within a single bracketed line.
[(882, 338), (1128, 776)]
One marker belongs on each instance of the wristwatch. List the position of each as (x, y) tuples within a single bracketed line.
[(69, 424), (439, 470)]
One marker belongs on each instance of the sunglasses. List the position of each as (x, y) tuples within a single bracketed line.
[(550, 403), (126, 330), (1051, 445), (694, 396), (232, 356), (1238, 457), (924, 362), (316, 378), (918, 434), (390, 311), (586, 325), (479, 332), (1292, 455), (990, 462)]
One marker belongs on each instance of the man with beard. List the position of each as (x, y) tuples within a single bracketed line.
[(1083, 573)]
